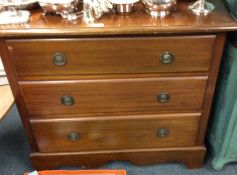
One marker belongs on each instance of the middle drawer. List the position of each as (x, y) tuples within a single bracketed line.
[(113, 95)]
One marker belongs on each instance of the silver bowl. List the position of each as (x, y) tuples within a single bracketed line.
[(159, 8), (124, 6), (69, 9)]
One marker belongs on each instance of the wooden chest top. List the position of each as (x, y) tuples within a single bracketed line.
[(179, 21)]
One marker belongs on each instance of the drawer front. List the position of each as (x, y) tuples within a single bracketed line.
[(111, 56), (116, 133), (114, 95)]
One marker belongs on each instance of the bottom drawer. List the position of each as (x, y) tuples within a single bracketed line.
[(123, 132)]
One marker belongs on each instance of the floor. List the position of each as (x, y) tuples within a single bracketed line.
[(14, 158)]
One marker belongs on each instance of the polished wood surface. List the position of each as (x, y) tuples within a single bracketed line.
[(114, 95), (124, 56), (110, 76), (139, 22), (6, 100), (129, 86), (192, 157), (117, 86), (12, 78), (116, 133), (210, 89)]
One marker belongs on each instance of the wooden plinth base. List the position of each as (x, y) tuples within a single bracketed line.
[(192, 157)]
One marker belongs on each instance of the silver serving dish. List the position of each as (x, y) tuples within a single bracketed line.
[(159, 8), (15, 11), (123, 8), (19, 4), (68, 9)]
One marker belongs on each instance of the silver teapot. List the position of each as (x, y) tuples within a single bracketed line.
[(159, 8)]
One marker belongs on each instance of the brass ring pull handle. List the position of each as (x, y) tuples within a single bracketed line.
[(162, 132), (59, 59), (67, 100), (167, 58), (163, 97), (73, 136)]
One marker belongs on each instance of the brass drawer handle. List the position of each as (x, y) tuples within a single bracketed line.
[(73, 136), (59, 59), (162, 132), (167, 58), (67, 100), (163, 97)]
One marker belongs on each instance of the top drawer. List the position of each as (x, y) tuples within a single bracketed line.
[(99, 56)]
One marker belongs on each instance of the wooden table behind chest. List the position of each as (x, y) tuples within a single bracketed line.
[(138, 89)]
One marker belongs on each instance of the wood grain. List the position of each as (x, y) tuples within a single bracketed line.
[(11, 75), (120, 133), (123, 56), (213, 74), (113, 95), (192, 157), (180, 21), (115, 90), (109, 76)]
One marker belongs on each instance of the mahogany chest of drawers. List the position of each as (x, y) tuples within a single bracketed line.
[(132, 90)]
